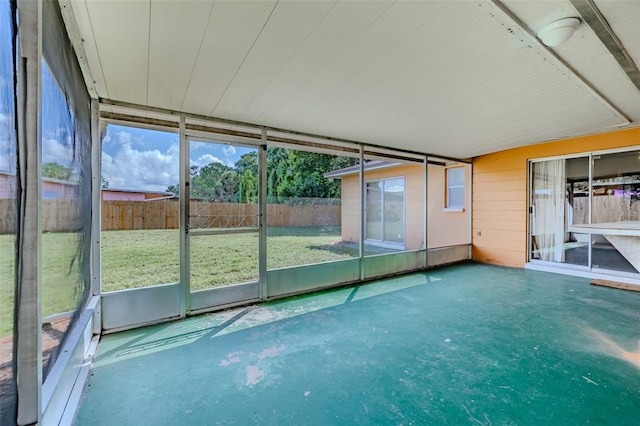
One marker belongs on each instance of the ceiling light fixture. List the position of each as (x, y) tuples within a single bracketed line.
[(557, 32)]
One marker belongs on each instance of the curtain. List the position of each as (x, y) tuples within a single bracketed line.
[(549, 199)]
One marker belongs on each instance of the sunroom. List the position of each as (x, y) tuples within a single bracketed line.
[(164, 162)]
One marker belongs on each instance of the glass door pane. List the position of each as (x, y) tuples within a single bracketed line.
[(223, 215), (548, 202), (576, 246), (374, 211), (394, 210), (615, 211)]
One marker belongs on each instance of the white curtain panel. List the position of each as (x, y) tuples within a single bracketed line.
[(549, 199)]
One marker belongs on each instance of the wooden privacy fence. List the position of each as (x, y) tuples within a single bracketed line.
[(57, 216), (131, 215), (605, 208)]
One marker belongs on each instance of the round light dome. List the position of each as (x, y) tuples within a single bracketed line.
[(557, 32)]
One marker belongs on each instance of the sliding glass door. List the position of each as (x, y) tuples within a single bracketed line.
[(585, 211)]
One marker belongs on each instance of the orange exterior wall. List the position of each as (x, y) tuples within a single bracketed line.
[(500, 193), (445, 228)]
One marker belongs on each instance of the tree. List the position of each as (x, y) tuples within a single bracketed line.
[(104, 183), (56, 171), (248, 161), (214, 182), (290, 174), (248, 189)]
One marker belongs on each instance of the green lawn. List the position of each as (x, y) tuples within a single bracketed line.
[(133, 259), (61, 289)]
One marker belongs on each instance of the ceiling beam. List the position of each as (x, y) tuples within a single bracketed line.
[(592, 16)]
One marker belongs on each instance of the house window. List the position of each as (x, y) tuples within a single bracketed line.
[(385, 214), (455, 189)]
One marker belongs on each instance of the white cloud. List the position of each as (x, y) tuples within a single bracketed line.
[(151, 170), (205, 160), (55, 152), (229, 151)]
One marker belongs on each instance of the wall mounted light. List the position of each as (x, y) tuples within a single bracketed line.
[(557, 32)]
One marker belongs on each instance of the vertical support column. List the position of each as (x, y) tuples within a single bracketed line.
[(529, 211), (425, 231), (470, 200), (589, 221), (28, 313), (96, 209), (185, 266), (363, 201), (263, 219)]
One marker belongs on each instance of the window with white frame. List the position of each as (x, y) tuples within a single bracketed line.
[(385, 211), (455, 189)]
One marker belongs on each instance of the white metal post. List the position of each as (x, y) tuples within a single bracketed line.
[(185, 267), (425, 203), (363, 195), (263, 218), (96, 209)]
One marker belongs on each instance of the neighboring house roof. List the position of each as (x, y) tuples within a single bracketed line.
[(137, 191), (59, 181), (368, 166)]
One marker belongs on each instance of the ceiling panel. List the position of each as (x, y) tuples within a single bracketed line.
[(584, 52), (89, 43), (624, 19), (231, 32), (121, 32), (288, 28), (343, 79), (449, 78), (332, 37), (173, 54), (450, 83)]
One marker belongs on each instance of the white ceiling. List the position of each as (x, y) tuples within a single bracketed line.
[(457, 78)]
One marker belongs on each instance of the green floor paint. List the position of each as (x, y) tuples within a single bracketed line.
[(466, 344)]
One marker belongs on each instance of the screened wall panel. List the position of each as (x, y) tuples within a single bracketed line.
[(306, 223), (394, 213), (449, 220), (8, 212), (65, 156), (140, 241)]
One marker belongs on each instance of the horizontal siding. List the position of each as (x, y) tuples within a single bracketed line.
[(498, 256), (500, 206), (509, 185), (504, 242), (517, 215), (494, 236), (499, 175), (500, 193), (480, 225)]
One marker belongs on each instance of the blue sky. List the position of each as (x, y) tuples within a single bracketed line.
[(134, 158), (7, 138)]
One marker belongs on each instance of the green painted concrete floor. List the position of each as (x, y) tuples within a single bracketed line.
[(466, 344)]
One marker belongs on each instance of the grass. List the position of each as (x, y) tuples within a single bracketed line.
[(134, 259), (60, 278)]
